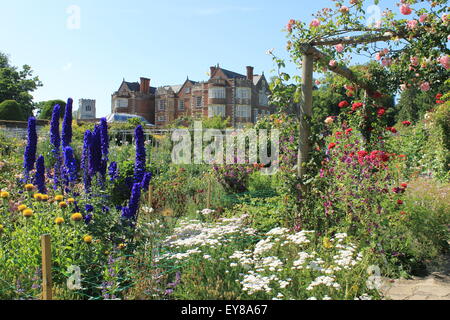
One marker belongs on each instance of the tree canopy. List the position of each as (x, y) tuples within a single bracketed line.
[(45, 109), (17, 85)]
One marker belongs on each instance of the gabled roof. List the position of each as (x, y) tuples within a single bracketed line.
[(136, 87), (256, 79), (232, 75), (133, 86)]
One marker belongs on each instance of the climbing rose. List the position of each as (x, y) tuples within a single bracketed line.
[(333, 63), (339, 48), (357, 105), (445, 61), (386, 62), (406, 123), (414, 61), (405, 10), (423, 18), (412, 24), (344, 9), (425, 86), (315, 23), (343, 104), (329, 120), (332, 146), (381, 112)]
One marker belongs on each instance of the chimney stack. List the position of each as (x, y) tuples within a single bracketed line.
[(145, 85), (212, 70), (250, 73)]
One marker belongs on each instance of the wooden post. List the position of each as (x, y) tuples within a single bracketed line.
[(208, 194), (150, 195), (46, 267), (305, 114)]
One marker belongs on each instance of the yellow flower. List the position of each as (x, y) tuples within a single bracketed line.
[(1, 228), (121, 246), (4, 194), (27, 213), (29, 187), (59, 221), (37, 196), (63, 205), (59, 198), (22, 207), (167, 212), (327, 243), (76, 217), (87, 239), (44, 197), (70, 200)]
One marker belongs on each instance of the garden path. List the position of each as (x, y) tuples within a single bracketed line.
[(435, 286)]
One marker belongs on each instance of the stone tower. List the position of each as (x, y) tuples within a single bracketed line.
[(86, 109)]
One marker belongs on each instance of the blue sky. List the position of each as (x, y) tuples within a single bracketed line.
[(163, 40)]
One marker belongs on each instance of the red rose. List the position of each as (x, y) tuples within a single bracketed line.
[(348, 131), (332, 146), (391, 129), (399, 202), (343, 104), (404, 185), (381, 112), (439, 96), (357, 105), (406, 123)]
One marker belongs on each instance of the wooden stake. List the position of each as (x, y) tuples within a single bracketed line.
[(46, 267), (150, 195), (208, 194), (305, 114)]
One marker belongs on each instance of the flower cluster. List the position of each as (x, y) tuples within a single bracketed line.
[(30, 149)]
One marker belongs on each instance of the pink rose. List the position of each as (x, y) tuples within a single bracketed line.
[(315, 23), (317, 82), (445, 61), (378, 56), (339, 48), (414, 61), (412, 24), (425, 86), (386, 62), (445, 18), (333, 63), (344, 9), (403, 87), (329, 120), (405, 9), (423, 18)]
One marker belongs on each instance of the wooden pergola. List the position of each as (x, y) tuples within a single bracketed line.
[(311, 54)]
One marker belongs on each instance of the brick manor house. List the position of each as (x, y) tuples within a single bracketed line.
[(242, 98)]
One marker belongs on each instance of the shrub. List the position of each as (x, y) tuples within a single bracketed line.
[(11, 110)]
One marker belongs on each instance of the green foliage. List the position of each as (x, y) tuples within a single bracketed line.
[(17, 85), (11, 110), (46, 109)]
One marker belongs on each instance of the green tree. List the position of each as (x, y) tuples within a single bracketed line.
[(11, 110), (17, 85), (414, 104), (45, 109)]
